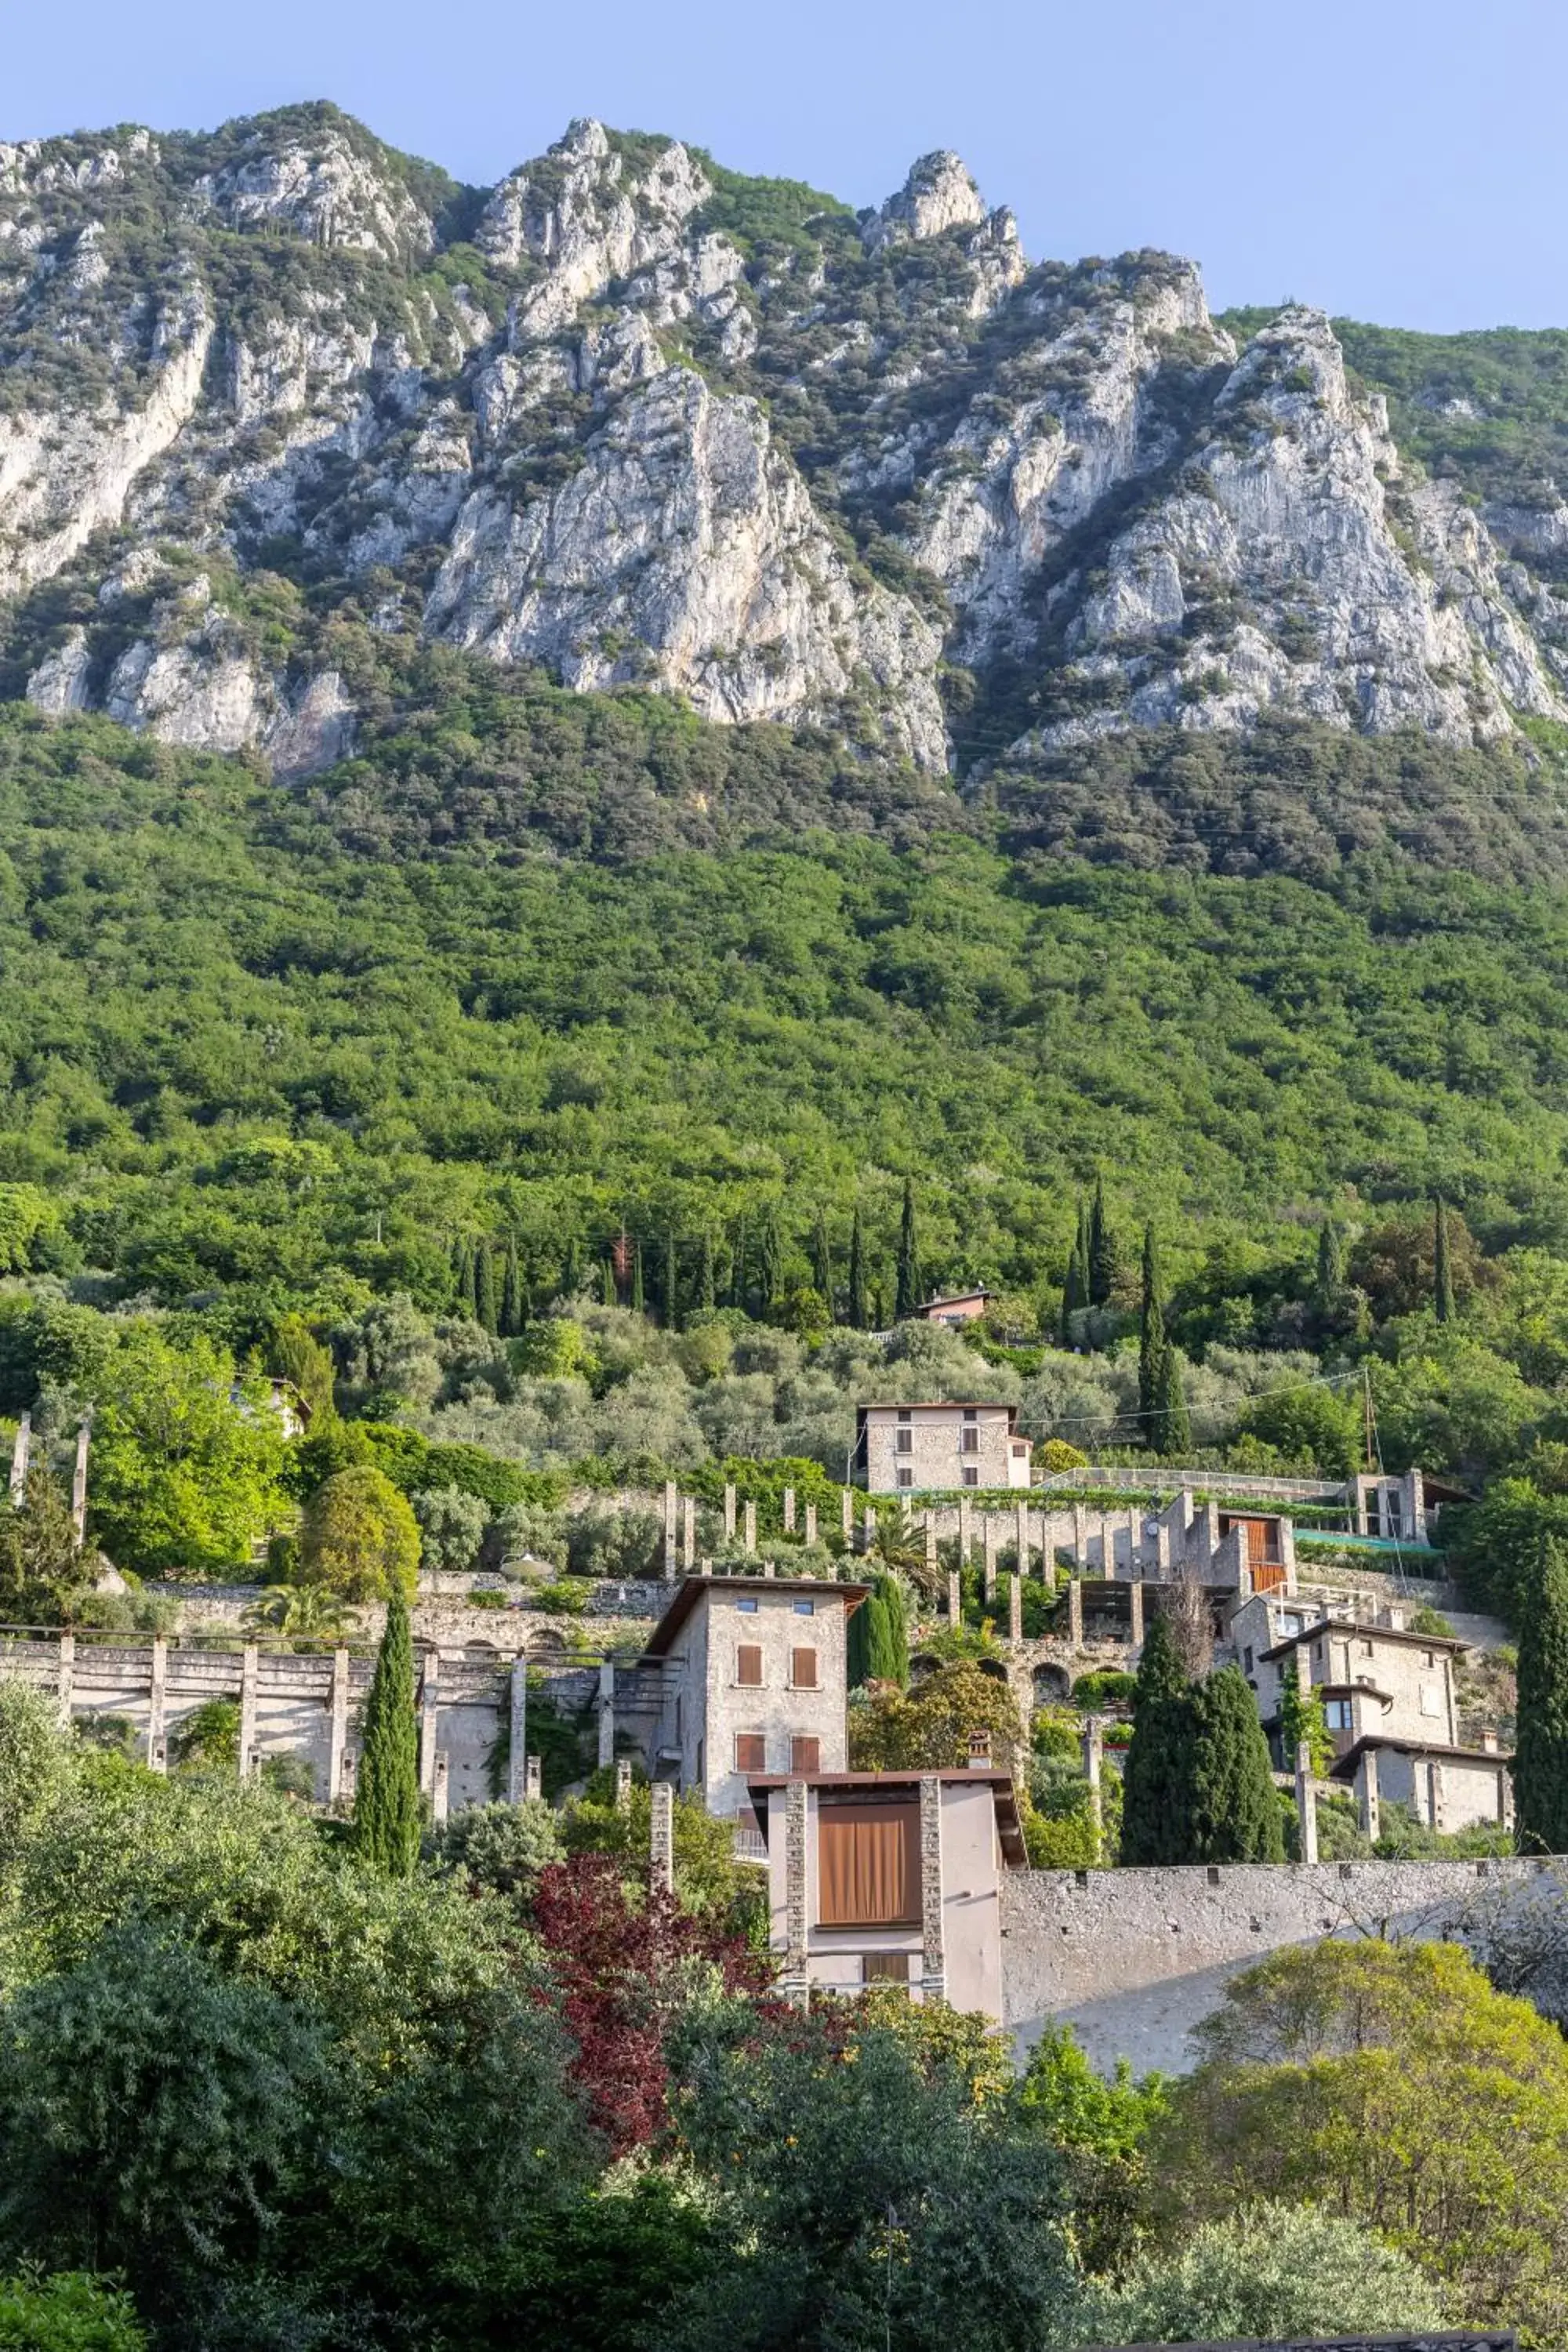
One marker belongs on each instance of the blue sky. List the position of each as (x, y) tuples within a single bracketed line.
[(1395, 159)]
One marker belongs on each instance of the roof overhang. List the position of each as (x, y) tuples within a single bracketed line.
[(692, 1589)]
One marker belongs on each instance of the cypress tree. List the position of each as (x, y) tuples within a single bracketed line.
[(670, 1286), (858, 1301), (910, 1285), (386, 1793), (485, 1287), (888, 1634), (638, 1301), (878, 1306), (707, 1297), (822, 1263), (467, 1303), (611, 1293), (1442, 1271), (1172, 1427), (571, 1271), (1072, 1293), (1331, 1279), (513, 1306), (1157, 1780), (1152, 1344), (1235, 1814), (739, 1290), (1102, 1250), (769, 1262), (1541, 1762)]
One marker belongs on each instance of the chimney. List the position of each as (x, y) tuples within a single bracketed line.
[(1395, 1621), (1489, 1743), (980, 1751)]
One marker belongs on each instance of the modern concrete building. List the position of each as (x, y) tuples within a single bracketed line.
[(890, 1878), (754, 1681), (913, 1448)]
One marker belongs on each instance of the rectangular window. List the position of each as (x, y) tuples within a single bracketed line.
[(969, 1441), (702, 1754), (1366, 1650), (971, 1475), (751, 1752), (905, 1415), (1337, 1714), (869, 1865), (906, 1477), (804, 1755), (806, 1608), (803, 1669), (1247, 1662), (749, 1666), (970, 1413), (748, 1607), (885, 1968), (680, 1719), (1428, 1659), (904, 1441)]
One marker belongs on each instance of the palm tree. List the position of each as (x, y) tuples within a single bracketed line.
[(303, 1612)]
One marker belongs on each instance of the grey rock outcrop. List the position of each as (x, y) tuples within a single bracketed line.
[(649, 426)]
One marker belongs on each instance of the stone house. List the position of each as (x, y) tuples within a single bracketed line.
[(890, 1878), (754, 1680), (911, 1448), (1389, 1696)]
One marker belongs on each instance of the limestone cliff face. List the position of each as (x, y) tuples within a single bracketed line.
[(645, 423)]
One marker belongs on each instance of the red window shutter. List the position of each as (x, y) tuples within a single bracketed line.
[(804, 1755), (803, 1669), (749, 1666), (751, 1752)]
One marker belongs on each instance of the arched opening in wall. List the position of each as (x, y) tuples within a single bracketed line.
[(1052, 1684), (485, 1651), (921, 1665), (994, 1667), (547, 1642)]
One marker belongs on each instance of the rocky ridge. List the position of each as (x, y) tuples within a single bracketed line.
[(272, 394)]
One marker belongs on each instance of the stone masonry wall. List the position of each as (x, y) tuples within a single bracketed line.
[(1131, 1959)]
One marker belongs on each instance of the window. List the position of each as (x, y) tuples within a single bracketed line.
[(1337, 1714), (680, 1719), (885, 1968), (749, 1666), (1428, 1659), (803, 1669), (701, 1753), (751, 1752), (806, 1608), (904, 1441), (906, 1477), (971, 1475), (747, 1608), (869, 1864), (1367, 1651), (969, 1441), (905, 1415), (970, 1413), (1247, 1662), (804, 1754)]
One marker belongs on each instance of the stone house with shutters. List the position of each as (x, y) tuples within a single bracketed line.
[(914, 1448)]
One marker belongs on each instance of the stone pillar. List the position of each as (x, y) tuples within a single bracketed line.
[(64, 1678), (533, 1781), (1307, 1801), (1021, 1536), (954, 1598), (1080, 1535), (789, 1511), (429, 1694), (749, 1541), (933, 1959), (1015, 1607), (930, 1533), (965, 1529), (1134, 1540), (1093, 1759), (517, 1755), (671, 1521), (1435, 1794), (662, 1836), (79, 1486), (157, 1740), (730, 1514), (1074, 1611), (607, 1712), (20, 1453), (248, 1758), (811, 1523), (1287, 1552), (847, 1513), (623, 1784), (689, 1535), (988, 1554), (795, 1986), (867, 1529), (1135, 1606), (338, 1737), (770, 1568)]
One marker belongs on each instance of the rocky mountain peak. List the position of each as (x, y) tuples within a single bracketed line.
[(939, 194), (321, 184), (590, 211)]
